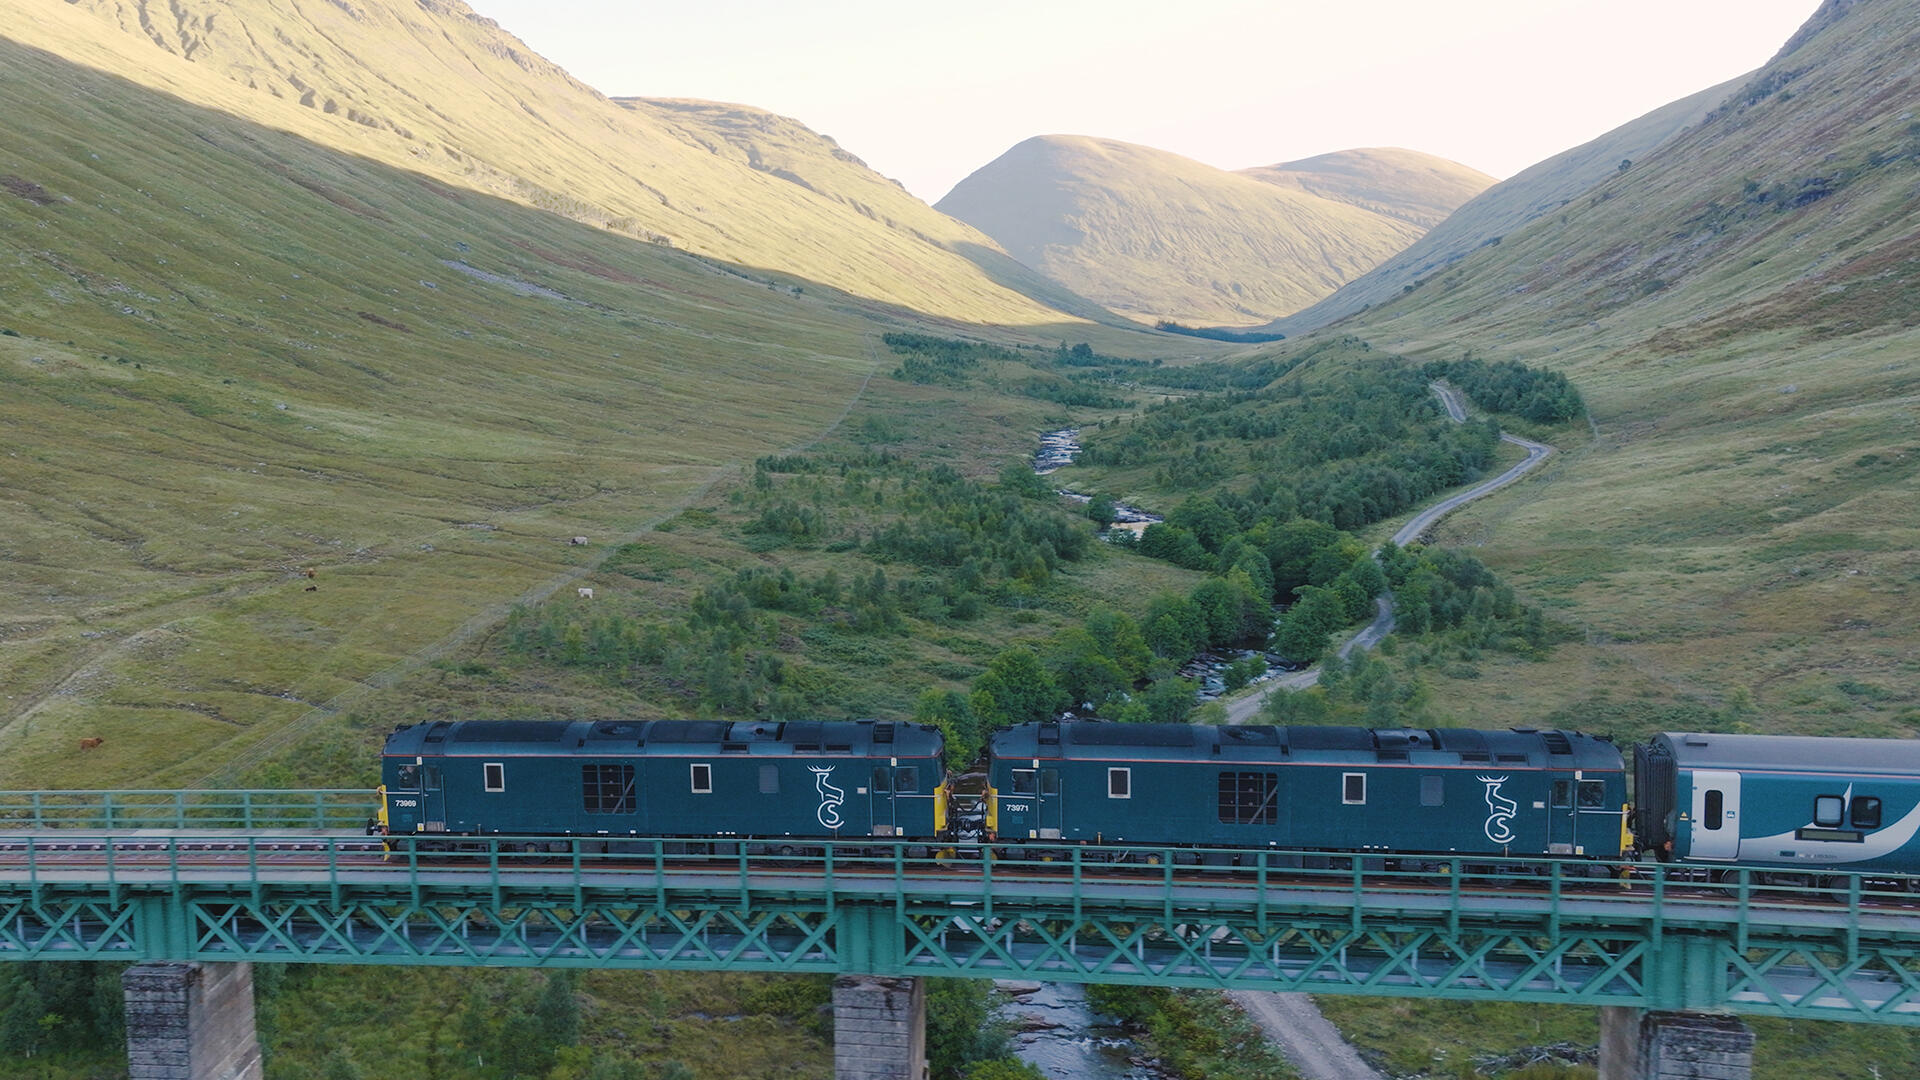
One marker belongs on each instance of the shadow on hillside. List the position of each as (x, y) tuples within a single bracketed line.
[(306, 179)]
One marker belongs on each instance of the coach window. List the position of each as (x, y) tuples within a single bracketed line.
[(1827, 812), (702, 779), (1866, 812), (1119, 783), (495, 775), (1353, 788), (1022, 782), (1716, 804)]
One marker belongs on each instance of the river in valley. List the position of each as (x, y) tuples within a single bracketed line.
[(1056, 1031)]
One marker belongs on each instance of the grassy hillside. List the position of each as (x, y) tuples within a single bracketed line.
[(1158, 236), (1529, 194), (1740, 308), (435, 89), (1405, 184)]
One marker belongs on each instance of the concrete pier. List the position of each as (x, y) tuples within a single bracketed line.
[(190, 1022), (879, 1028), (1639, 1045)]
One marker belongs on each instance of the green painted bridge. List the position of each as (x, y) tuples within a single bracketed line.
[(287, 877)]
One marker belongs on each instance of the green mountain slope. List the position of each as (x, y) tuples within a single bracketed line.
[(1532, 193), (1741, 308), (434, 88), (1405, 184), (1159, 236)]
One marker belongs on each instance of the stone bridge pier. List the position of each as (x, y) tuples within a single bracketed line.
[(1639, 1045), (190, 1022), (879, 1028)]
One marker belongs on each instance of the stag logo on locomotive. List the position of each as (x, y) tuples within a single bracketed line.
[(830, 797), (1500, 811)]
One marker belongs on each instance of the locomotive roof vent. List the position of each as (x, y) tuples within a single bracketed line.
[(883, 733), (438, 732), (1049, 734), (1558, 743), (1696, 740)]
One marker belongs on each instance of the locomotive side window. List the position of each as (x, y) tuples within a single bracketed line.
[(1866, 812), (407, 777), (702, 776), (1563, 794), (1049, 781), (1593, 795), (907, 780), (1119, 783), (1022, 782), (607, 789), (1715, 809), (494, 776), (1827, 811), (882, 783), (1433, 791), (1353, 788), (1249, 798), (769, 779)]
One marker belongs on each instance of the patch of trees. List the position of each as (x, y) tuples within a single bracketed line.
[(59, 1008), (1219, 333), (1507, 386), (922, 543)]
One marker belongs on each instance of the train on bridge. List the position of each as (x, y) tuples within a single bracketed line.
[(1802, 807)]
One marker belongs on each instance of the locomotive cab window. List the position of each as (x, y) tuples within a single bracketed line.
[(882, 781), (702, 776), (1353, 788), (1866, 812), (432, 773), (494, 775), (1563, 794), (1593, 795), (1119, 783), (906, 780), (1022, 782), (407, 777), (1827, 811), (1049, 781)]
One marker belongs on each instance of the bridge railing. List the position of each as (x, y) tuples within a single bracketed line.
[(319, 808), (1064, 880)]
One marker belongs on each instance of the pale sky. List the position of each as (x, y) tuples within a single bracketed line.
[(927, 93)]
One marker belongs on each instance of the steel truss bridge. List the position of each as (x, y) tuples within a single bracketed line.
[(288, 877)]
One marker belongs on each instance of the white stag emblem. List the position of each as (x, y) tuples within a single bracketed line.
[(1500, 810), (830, 797)]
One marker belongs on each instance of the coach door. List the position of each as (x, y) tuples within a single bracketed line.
[(1716, 815)]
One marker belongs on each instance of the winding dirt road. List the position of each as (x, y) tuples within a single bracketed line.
[(1244, 709)]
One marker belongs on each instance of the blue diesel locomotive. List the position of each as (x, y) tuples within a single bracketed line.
[(697, 780), (1445, 791), (1795, 808)]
